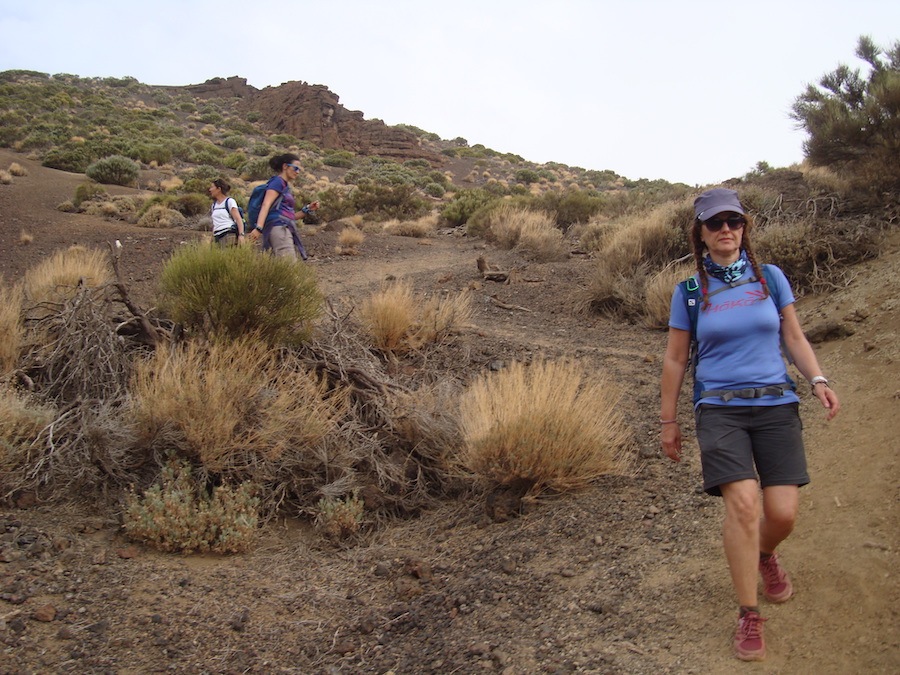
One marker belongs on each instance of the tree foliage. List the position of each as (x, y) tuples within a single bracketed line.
[(853, 120)]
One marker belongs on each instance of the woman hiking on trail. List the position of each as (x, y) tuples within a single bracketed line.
[(745, 408), (277, 223)]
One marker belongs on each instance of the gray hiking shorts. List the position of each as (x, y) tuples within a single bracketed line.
[(750, 442)]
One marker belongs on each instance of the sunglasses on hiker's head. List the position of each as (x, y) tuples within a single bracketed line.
[(733, 222)]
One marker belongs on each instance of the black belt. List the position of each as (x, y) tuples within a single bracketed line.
[(757, 392)]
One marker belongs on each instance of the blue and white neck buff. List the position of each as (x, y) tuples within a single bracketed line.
[(728, 274)]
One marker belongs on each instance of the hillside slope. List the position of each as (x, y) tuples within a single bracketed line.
[(627, 577)]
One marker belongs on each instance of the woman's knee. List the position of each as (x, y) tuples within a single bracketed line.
[(742, 502)]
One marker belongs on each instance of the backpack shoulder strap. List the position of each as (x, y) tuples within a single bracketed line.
[(690, 289), (772, 286)]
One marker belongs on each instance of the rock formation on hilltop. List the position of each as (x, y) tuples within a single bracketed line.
[(313, 113)]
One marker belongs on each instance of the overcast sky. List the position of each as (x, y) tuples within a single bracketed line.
[(691, 91)]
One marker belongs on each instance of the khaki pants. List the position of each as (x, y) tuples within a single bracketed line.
[(282, 242)]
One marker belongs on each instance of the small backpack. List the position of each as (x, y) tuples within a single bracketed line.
[(254, 204), (690, 289)]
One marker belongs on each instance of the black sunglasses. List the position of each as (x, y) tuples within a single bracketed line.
[(733, 222)]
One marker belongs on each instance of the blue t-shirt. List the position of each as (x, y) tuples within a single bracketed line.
[(286, 210), (739, 339)]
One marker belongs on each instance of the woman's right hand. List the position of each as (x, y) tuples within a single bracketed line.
[(670, 437), (255, 234)]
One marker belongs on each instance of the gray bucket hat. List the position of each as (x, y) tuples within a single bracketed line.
[(716, 201)]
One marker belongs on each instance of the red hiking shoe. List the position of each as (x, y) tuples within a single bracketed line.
[(749, 644), (777, 585)]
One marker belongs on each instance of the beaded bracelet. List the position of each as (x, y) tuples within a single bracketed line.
[(668, 421)]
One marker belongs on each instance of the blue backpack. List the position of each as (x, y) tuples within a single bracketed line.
[(693, 297), (254, 204)]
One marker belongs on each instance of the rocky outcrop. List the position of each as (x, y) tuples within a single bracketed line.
[(313, 113), (219, 87)]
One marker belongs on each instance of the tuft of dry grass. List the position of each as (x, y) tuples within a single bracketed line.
[(441, 316), (11, 329), (58, 276), (640, 245), (21, 422), (170, 184), (534, 233), (5, 177), (161, 216), (389, 316), (25, 238), (350, 237), (398, 322), (239, 407), (420, 228), (658, 293), (546, 424), (17, 169)]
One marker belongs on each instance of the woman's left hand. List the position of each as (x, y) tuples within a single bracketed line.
[(828, 398)]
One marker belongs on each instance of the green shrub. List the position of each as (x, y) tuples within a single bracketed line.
[(72, 158), (154, 152), (192, 204), (160, 216), (435, 190), (338, 158), (527, 176), (115, 170), (87, 191), (339, 518), (234, 141), (229, 292), (256, 169), (571, 206), (464, 204), (261, 149), (178, 514), (383, 202), (235, 160)]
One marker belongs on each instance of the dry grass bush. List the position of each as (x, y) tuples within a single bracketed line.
[(640, 246), (419, 228), (170, 184), (25, 238), (229, 292), (401, 443), (84, 450), (658, 293), (6, 177), (71, 350), (546, 424), (534, 233), (441, 316), (107, 209), (389, 316), (11, 328), (350, 237), (397, 321), (59, 276), (824, 179), (817, 253), (596, 233), (177, 514), (21, 420), (17, 169), (241, 411), (159, 216)]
